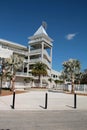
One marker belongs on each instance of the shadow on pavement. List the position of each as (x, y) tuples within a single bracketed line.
[(41, 106), (69, 106)]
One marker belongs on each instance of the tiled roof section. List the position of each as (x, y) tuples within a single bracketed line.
[(40, 30)]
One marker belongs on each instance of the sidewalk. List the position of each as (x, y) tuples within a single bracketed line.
[(35, 100)]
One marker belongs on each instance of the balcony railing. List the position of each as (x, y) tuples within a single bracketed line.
[(15, 50), (46, 53), (39, 60), (35, 60), (40, 40), (21, 52), (35, 51), (23, 74), (38, 51)]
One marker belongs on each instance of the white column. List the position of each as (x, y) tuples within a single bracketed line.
[(28, 60), (42, 60), (51, 56), (23, 68), (51, 60), (42, 51), (41, 81)]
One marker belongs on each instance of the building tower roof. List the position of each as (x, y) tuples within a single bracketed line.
[(40, 30)]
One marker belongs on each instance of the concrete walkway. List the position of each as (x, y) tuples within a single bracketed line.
[(35, 100)]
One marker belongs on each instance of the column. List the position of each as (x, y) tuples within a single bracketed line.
[(42, 51), (51, 56), (28, 60)]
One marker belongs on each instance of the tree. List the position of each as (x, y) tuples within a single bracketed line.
[(63, 77), (84, 77), (12, 65), (71, 68), (39, 69)]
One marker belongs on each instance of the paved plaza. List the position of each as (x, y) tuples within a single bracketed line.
[(43, 120), (35, 100), (29, 112)]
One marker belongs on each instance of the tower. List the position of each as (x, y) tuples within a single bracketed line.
[(40, 49)]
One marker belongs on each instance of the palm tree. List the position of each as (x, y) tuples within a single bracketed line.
[(39, 69), (12, 65), (71, 69), (84, 77), (63, 77)]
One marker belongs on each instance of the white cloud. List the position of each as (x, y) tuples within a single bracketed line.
[(70, 36)]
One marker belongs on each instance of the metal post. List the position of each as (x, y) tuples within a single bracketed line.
[(1, 86), (13, 103), (1, 73), (46, 98), (74, 100)]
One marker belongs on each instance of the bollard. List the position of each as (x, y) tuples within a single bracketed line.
[(1, 86), (13, 103), (46, 98), (74, 100)]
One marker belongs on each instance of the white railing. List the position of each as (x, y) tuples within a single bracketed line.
[(35, 60), (46, 53), (77, 88), (35, 51), (15, 50), (36, 40), (40, 40), (47, 63), (23, 74), (39, 51), (81, 87)]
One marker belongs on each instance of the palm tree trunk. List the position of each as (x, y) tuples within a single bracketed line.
[(40, 79), (72, 84), (13, 83)]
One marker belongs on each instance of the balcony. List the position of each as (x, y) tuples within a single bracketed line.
[(22, 74), (47, 55), (40, 40), (35, 60), (21, 52), (32, 61), (38, 51), (18, 51), (47, 63)]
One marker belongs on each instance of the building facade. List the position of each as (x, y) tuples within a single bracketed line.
[(39, 50)]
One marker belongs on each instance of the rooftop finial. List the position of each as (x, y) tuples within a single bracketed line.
[(44, 24)]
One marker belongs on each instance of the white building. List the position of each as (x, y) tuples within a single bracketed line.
[(39, 50), (55, 74)]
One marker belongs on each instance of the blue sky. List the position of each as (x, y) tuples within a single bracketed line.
[(66, 25)]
